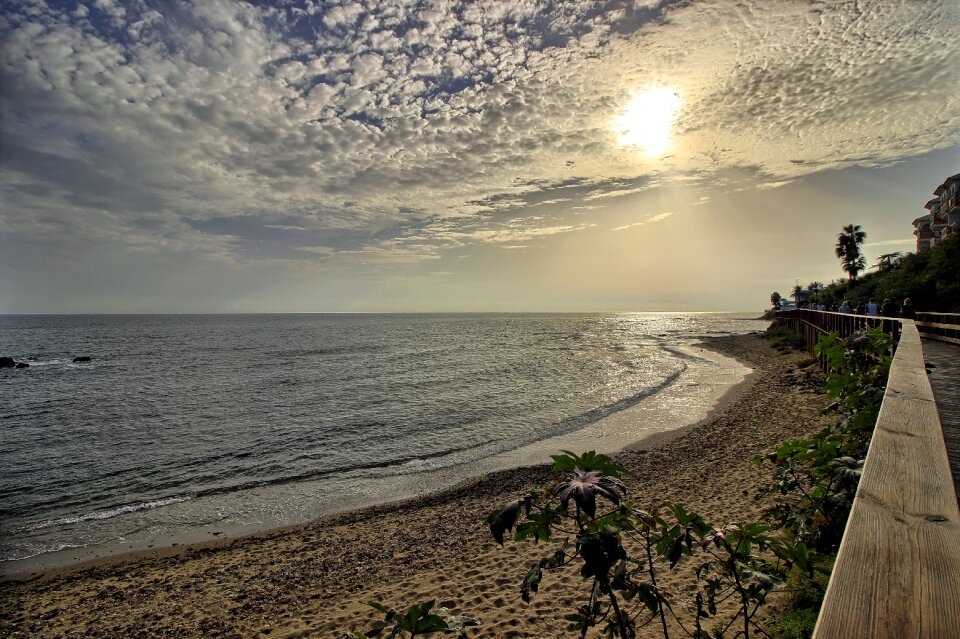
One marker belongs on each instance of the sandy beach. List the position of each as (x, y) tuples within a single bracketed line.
[(314, 580)]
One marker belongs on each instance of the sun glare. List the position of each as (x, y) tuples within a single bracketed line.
[(647, 120)]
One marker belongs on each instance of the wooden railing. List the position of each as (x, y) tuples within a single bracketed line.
[(812, 324), (944, 327), (897, 572)]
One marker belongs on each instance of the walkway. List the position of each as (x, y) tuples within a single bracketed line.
[(943, 369)]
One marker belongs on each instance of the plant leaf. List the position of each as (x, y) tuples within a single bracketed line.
[(503, 520)]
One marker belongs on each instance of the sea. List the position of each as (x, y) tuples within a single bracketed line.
[(188, 428)]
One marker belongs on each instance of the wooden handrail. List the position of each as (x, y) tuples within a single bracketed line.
[(952, 327), (842, 323), (897, 572), (954, 315), (811, 324), (944, 327)]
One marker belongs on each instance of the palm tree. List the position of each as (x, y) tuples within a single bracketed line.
[(815, 288), (775, 299), (848, 250), (889, 261), (796, 292)]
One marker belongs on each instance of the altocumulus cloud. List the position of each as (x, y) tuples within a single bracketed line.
[(400, 129)]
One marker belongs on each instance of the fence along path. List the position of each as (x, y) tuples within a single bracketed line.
[(943, 327), (811, 324), (897, 572)]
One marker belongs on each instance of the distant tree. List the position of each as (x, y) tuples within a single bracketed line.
[(815, 289), (775, 299), (852, 260), (889, 261), (796, 292)]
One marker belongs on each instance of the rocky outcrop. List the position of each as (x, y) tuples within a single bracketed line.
[(22, 365), (7, 362), (82, 358)]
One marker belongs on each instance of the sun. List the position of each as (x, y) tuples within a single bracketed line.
[(646, 122)]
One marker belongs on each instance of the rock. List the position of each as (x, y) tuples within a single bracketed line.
[(7, 362), (22, 365), (82, 358)]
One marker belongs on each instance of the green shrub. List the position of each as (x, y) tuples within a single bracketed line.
[(740, 563), (783, 338), (795, 624)]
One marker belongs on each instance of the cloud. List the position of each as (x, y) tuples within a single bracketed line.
[(650, 220), (618, 193), (892, 243), (773, 185), (660, 216), (285, 227), (434, 121)]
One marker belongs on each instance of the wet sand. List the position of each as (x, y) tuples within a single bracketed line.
[(314, 580)]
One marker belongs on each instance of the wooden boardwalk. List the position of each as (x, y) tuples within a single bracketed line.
[(897, 572), (943, 369)]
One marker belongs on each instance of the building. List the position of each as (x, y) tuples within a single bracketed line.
[(923, 232), (948, 215), (943, 217)]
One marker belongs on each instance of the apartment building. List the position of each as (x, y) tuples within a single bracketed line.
[(943, 217)]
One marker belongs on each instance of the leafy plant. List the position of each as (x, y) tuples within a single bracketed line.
[(622, 550), (417, 620), (817, 477), (857, 367), (804, 595)]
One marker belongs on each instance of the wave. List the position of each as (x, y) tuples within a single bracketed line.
[(416, 462), (44, 362), (563, 427), (458, 456), (407, 465), (46, 550), (106, 514)]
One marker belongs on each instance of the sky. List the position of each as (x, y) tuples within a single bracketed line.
[(159, 156)]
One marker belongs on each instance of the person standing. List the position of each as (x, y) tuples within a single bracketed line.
[(906, 311), (889, 308), (873, 310)]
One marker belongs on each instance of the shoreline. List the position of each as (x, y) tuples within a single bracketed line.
[(729, 396), (449, 493), (714, 379), (313, 579)]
